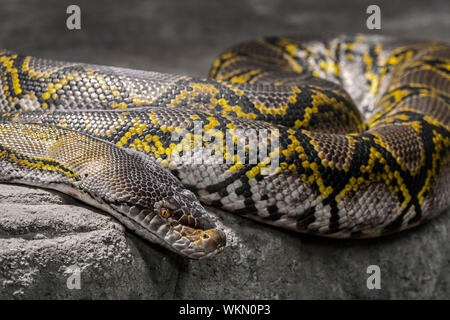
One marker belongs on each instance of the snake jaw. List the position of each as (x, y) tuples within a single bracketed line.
[(188, 241), (184, 228), (199, 244)]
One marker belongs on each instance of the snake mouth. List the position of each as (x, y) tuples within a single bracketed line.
[(197, 243), (192, 242), (184, 226)]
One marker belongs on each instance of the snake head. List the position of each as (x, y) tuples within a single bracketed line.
[(152, 202), (190, 230)]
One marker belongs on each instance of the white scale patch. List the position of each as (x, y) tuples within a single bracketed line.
[(29, 104)]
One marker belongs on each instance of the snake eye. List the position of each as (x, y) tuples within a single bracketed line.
[(165, 213)]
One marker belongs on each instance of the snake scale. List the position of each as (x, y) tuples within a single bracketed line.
[(342, 137)]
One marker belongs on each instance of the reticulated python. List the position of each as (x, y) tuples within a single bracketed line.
[(323, 166)]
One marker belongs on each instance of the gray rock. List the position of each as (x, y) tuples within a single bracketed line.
[(43, 233)]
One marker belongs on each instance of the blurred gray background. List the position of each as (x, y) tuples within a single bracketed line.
[(185, 36)]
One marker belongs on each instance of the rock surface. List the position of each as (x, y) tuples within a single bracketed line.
[(43, 233)]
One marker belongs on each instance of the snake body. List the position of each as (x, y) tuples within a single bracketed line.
[(345, 137)]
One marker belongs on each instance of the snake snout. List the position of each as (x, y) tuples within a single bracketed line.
[(197, 235), (200, 244), (217, 237)]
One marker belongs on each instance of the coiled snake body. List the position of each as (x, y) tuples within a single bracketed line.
[(274, 134)]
